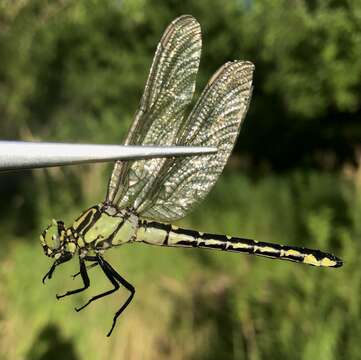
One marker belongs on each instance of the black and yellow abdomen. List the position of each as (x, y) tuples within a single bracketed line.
[(167, 235)]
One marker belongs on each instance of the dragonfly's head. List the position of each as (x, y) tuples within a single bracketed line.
[(56, 241)]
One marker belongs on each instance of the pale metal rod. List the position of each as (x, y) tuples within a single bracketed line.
[(20, 155)]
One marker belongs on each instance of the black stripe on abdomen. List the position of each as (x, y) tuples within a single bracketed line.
[(191, 238), (169, 235)]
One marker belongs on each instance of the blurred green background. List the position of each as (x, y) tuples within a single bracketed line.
[(75, 70)]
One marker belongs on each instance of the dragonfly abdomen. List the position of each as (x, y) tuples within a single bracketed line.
[(156, 233)]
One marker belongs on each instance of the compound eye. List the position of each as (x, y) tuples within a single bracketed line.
[(56, 241), (51, 237)]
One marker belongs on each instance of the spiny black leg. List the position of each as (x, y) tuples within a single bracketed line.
[(85, 278), (107, 267), (89, 258), (88, 267), (62, 259), (96, 297), (113, 277), (49, 274)]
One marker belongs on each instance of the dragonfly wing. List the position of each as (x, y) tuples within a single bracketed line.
[(168, 92), (214, 121)]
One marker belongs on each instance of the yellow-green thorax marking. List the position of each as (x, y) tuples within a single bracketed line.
[(96, 229), (104, 226)]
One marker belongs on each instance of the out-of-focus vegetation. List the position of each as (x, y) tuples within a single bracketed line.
[(75, 71)]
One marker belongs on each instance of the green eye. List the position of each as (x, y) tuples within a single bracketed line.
[(52, 237)]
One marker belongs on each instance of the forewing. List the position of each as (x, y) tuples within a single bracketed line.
[(215, 121), (168, 92)]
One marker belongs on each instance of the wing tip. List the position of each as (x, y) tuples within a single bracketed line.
[(180, 22), (243, 65), (185, 18), (240, 65)]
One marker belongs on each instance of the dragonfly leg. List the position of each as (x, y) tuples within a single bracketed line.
[(123, 282), (85, 278), (96, 297), (88, 267), (61, 260), (49, 274), (115, 279)]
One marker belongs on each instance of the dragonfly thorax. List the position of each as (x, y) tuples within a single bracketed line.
[(103, 226), (97, 228)]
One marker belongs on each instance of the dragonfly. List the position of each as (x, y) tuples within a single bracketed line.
[(145, 196)]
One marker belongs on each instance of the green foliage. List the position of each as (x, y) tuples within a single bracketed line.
[(317, 66)]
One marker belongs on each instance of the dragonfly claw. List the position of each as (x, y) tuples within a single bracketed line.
[(49, 274)]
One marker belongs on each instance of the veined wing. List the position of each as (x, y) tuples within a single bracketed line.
[(214, 121), (168, 92)]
